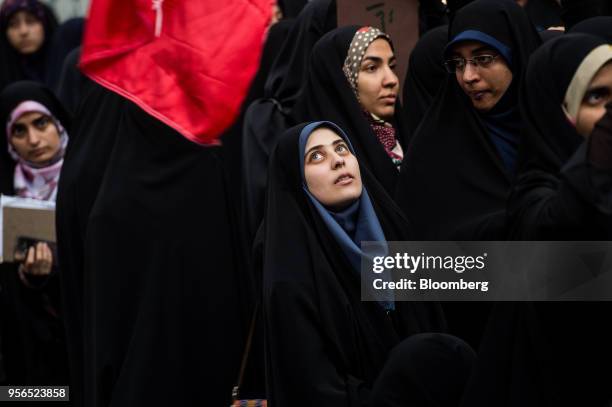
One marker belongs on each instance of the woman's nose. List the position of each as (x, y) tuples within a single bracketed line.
[(338, 161), (33, 137)]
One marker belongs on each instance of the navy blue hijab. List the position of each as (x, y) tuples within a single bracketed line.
[(355, 224), (503, 122)]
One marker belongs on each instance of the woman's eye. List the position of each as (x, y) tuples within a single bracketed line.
[(370, 68), (42, 122), (595, 97), (18, 132), (315, 156), (393, 66), (341, 148)]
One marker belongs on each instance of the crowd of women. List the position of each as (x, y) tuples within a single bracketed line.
[(182, 271)]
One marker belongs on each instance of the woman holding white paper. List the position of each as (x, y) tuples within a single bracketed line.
[(36, 137)]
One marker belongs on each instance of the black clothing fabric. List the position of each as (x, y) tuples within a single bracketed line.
[(311, 297), (268, 117), (232, 138), (291, 8), (424, 77), (71, 82), (548, 35), (31, 317), (328, 96), (68, 36), (543, 205), (575, 11), (451, 155), (85, 162), (428, 369), (600, 26), (552, 201), (544, 13), (17, 67), (145, 231), (432, 14)]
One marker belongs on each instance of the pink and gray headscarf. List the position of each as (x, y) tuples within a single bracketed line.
[(32, 180)]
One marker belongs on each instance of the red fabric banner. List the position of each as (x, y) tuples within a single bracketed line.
[(188, 63)]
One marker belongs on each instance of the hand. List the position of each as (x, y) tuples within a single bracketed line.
[(36, 262)]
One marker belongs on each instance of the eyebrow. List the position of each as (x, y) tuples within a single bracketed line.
[(338, 141), (36, 118), (483, 48), (377, 59)]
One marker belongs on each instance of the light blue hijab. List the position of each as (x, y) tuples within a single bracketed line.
[(353, 225)]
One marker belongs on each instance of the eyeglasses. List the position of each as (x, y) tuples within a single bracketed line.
[(458, 64)]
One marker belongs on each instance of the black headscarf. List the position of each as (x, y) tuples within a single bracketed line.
[(10, 98), (71, 81), (312, 296), (268, 117), (232, 138), (15, 66), (329, 96), (548, 142), (147, 239), (547, 203), (291, 8), (575, 11), (425, 76), (600, 26), (547, 35), (453, 154), (67, 37), (544, 13)]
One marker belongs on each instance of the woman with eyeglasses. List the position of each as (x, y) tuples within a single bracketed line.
[(461, 160), (459, 165)]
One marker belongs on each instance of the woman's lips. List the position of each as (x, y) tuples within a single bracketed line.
[(477, 95), (344, 179)]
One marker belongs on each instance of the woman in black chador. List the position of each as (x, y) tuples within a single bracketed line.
[(557, 353), (26, 31), (152, 283), (352, 83), (325, 346), (460, 163), (36, 128)]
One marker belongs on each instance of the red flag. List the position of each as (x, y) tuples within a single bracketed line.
[(189, 63)]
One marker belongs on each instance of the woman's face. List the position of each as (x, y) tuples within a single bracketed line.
[(25, 32), (377, 84), (331, 170), (593, 105), (484, 85), (35, 138)]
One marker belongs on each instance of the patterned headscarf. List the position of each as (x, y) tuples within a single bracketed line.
[(384, 131), (32, 180), (359, 45)]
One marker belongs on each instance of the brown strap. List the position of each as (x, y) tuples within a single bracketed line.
[(245, 355)]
